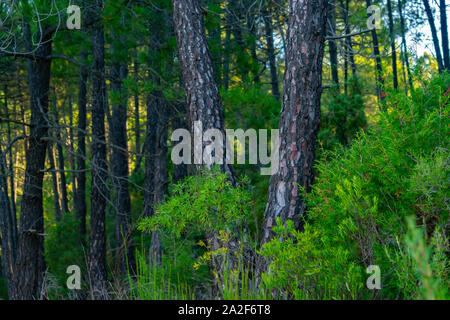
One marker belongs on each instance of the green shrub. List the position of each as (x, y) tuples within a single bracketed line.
[(359, 204)]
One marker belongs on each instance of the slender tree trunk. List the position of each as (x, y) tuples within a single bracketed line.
[(434, 35), (56, 198), (8, 229), (444, 34), (179, 121), (378, 65), (226, 58), (300, 116), (61, 169), (405, 47), (80, 197), (137, 122), (332, 43), (119, 168), (271, 53), (97, 238), (71, 153), (10, 158), (30, 264), (393, 47)]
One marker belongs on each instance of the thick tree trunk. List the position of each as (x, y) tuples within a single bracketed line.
[(332, 43), (434, 35), (393, 47), (444, 34), (271, 53), (30, 264), (80, 197), (300, 115), (97, 247), (202, 93)]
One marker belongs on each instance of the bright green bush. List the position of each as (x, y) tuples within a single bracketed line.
[(359, 205)]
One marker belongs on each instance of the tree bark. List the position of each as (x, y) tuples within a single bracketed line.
[(434, 35), (30, 264), (97, 239), (332, 43), (179, 121), (202, 93), (300, 115), (393, 47)]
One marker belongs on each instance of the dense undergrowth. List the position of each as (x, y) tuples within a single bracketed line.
[(382, 200)]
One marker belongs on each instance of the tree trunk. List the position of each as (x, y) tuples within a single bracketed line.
[(271, 53), (434, 35), (137, 123), (332, 43), (202, 93), (80, 197), (119, 168), (405, 47), (393, 48), (300, 115), (8, 229), (444, 34), (56, 204), (30, 264), (179, 121), (378, 65), (97, 238)]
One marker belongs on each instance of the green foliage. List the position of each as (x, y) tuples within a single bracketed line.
[(359, 204), (202, 203), (342, 116), (62, 248)]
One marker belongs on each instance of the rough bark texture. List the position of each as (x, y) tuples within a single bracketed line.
[(30, 264), (97, 238), (300, 114), (80, 197), (202, 93), (393, 48), (434, 35)]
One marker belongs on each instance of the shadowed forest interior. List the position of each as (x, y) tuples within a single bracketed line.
[(100, 99)]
